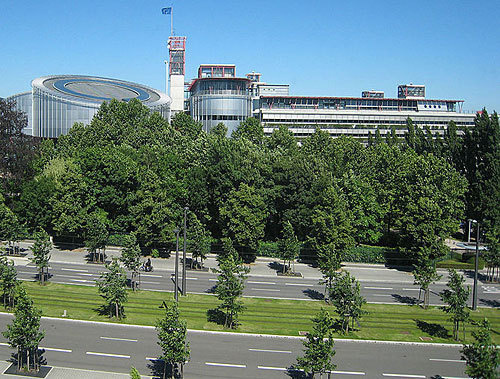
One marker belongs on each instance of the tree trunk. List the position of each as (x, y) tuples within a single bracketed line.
[(116, 310), (164, 369)]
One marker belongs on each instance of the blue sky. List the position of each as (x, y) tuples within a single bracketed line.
[(320, 48)]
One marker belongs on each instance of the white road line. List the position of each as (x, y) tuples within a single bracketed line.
[(404, 376), (212, 280), (4, 344), (117, 339), (81, 280), (107, 355), (150, 282), (151, 276), (72, 269), (152, 359), (272, 368), (272, 351), (264, 289), (299, 284), (260, 282), (225, 365), (348, 372), (447, 360), (380, 295), (454, 377), (191, 278), (56, 349), (84, 274), (411, 289), (378, 288)]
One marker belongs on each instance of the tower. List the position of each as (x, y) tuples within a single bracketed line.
[(176, 68)]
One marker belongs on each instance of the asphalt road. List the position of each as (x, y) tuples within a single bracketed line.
[(392, 289), (114, 348)]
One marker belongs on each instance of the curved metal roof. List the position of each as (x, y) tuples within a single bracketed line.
[(93, 89)]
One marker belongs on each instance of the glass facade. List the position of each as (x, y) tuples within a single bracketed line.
[(24, 104), (220, 100)]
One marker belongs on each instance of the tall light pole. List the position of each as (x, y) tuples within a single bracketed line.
[(176, 289), (184, 255), (476, 268)]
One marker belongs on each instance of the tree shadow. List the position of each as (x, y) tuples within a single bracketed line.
[(480, 276), (157, 366), (41, 373), (434, 330), (217, 316), (313, 294), (211, 289), (109, 311), (490, 303), (295, 373), (405, 299), (277, 266)]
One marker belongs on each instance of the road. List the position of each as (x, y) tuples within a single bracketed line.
[(396, 288), (114, 348)]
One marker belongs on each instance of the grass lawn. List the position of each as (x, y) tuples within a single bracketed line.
[(267, 316)]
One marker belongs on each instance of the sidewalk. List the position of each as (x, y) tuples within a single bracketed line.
[(263, 266), (64, 373)]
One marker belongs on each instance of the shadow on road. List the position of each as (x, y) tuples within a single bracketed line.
[(405, 299), (490, 303), (313, 294), (294, 373)]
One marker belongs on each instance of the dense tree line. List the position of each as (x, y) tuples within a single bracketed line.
[(130, 171)]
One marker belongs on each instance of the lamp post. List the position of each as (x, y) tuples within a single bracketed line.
[(176, 289), (184, 255), (476, 268)]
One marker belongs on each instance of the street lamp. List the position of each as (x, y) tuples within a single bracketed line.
[(184, 255), (176, 289), (476, 268)]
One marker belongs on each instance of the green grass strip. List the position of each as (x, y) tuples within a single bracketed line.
[(266, 316)]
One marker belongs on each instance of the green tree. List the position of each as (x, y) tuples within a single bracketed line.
[(289, 246), (131, 258), (455, 297), (250, 129), (8, 282), (134, 373), (318, 346), (424, 273), (113, 288), (230, 284), (24, 333), (96, 237), (41, 254), (345, 296), (172, 339), (200, 242), (482, 356), (244, 214)]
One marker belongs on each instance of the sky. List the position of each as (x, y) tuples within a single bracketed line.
[(319, 47)]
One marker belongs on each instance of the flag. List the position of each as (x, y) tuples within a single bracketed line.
[(166, 10)]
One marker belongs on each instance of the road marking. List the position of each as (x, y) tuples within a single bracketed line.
[(72, 269), (380, 295), (272, 368), (299, 284), (56, 349), (225, 365), (264, 289), (192, 278), (447, 360), (404, 376), (348, 372), (84, 274), (107, 355), (81, 280), (118, 339), (152, 276), (212, 280), (150, 282), (260, 282), (4, 344), (272, 351), (411, 289), (378, 288)]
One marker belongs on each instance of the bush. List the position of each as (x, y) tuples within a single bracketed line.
[(366, 254), (268, 249), (459, 265)]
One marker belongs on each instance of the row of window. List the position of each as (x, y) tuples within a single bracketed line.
[(221, 117)]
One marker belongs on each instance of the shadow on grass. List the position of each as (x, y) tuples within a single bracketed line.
[(108, 311), (217, 316), (313, 294), (434, 330), (405, 299)]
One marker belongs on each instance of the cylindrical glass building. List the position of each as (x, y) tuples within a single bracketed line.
[(224, 99), (58, 102)]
